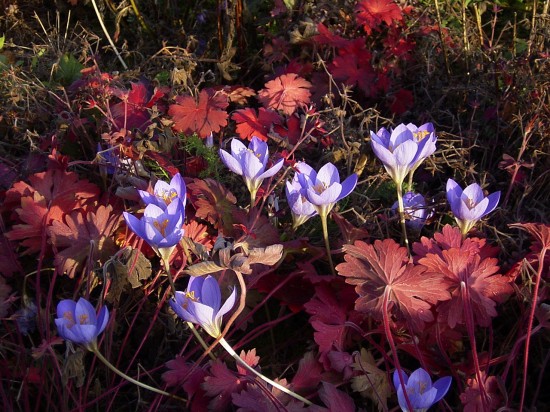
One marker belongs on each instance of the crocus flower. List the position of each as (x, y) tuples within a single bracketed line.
[(415, 210), (404, 148), (469, 205), (164, 193), (323, 189), (78, 321), (422, 394), (250, 163), (160, 228), (201, 304), (301, 208)]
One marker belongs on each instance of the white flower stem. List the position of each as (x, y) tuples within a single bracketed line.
[(401, 209), (200, 339), (238, 359), (95, 350), (327, 242)]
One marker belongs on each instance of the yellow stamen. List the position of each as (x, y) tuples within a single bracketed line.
[(161, 227), (167, 195), (69, 316), (420, 135), (83, 319)]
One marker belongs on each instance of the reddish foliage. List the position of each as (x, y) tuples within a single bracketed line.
[(325, 36), (472, 399), (204, 117), (401, 101), (459, 267), (308, 376), (84, 235), (251, 360), (220, 384), (382, 270), (249, 124), (334, 399), (371, 13), (237, 94), (286, 93)]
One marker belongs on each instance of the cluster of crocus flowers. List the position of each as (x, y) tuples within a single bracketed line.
[(162, 220), (310, 193), (469, 205), (250, 163), (421, 393)]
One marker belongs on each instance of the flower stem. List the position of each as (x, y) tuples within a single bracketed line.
[(327, 242), (245, 365), (200, 339), (401, 209), (93, 348)]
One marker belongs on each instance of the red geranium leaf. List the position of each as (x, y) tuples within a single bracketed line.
[(371, 13), (254, 399), (220, 385), (34, 215), (473, 400), (286, 93), (251, 360), (8, 259), (334, 399), (539, 231), (401, 101), (83, 235), (186, 375), (382, 268), (325, 36), (249, 124), (204, 117), (213, 202), (308, 376), (485, 288), (237, 94)]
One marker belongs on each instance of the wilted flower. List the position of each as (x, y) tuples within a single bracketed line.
[(164, 193), (404, 148), (160, 228), (421, 393), (301, 208), (323, 189), (250, 163), (78, 322), (201, 304), (469, 205), (416, 210)]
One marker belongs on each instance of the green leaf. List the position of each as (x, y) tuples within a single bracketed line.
[(2, 40), (68, 69)]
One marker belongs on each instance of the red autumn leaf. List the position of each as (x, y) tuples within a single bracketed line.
[(34, 215), (539, 231), (198, 233), (204, 117), (249, 124), (401, 101), (250, 358), (309, 374), (286, 93), (458, 267), (334, 399), (371, 13), (8, 259), (213, 202), (220, 385), (254, 399), (381, 270), (349, 232), (352, 67), (325, 36), (474, 401), (451, 237), (83, 235), (186, 375), (237, 94), (290, 132)]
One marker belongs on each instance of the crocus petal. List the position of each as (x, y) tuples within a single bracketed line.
[(210, 293), (328, 174), (195, 285), (474, 193), (178, 305), (348, 185), (85, 313), (260, 149), (67, 332), (232, 163), (476, 212), (494, 198), (203, 313), (442, 386), (252, 167), (305, 169), (65, 307), (272, 170), (405, 153), (87, 333), (102, 319), (154, 212), (454, 191), (134, 224), (384, 154), (228, 304), (328, 196), (237, 148), (396, 381), (178, 185), (400, 135)]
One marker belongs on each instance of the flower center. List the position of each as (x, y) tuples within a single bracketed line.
[(83, 319), (70, 318), (320, 187), (189, 296), (470, 203), (420, 135), (254, 153), (161, 226), (167, 195)]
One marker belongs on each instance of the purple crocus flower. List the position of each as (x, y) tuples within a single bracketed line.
[(422, 394), (78, 321), (404, 148), (164, 193), (160, 228), (301, 208), (469, 205), (416, 210), (201, 304), (323, 189), (250, 162)]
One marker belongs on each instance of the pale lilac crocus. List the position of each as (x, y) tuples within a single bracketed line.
[(469, 205), (250, 163), (160, 228), (201, 304), (421, 392), (402, 149), (416, 210), (301, 208), (78, 322), (164, 193), (323, 189)]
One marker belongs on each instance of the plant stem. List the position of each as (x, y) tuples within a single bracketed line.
[(93, 348), (327, 242), (401, 209), (245, 365), (98, 14), (200, 339)]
